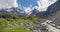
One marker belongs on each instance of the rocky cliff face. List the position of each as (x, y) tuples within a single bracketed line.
[(53, 8)]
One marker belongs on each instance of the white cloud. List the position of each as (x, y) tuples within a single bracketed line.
[(20, 6), (43, 4), (28, 10), (8, 3)]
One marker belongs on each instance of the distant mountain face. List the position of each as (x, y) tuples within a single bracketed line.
[(51, 9), (35, 12), (13, 10)]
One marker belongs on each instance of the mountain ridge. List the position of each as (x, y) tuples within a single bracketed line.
[(51, 9)]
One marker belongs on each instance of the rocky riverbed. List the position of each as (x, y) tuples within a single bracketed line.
[(35, 26)]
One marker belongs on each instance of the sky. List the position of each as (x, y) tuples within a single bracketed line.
[(40, 5), (27, 5)]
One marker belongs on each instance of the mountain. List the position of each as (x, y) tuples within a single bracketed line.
[(51, 9), (13, 10), (35, 12)]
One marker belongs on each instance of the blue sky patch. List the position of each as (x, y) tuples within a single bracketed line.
[(27, 3)]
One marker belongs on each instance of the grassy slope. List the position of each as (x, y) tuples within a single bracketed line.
[(8, 21)]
